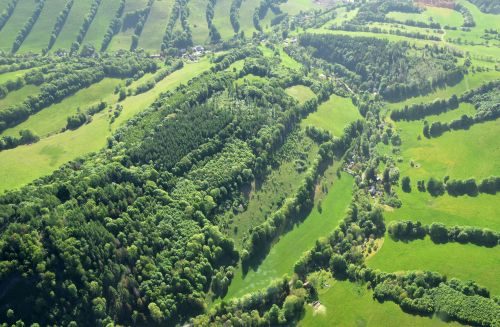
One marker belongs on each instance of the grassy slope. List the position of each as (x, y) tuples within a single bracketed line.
[(10, 76), (52, 119), (198, 21), (18, 96), (443, 16), (221, 18), (105, 14), (73, 23), (463, 261), (333, 115), (293, 7), (293, 244), (348, 304), (23, 164), (123, 39), (301, 93), (8, 34), (246, 16), (154, 29), (39, 36)]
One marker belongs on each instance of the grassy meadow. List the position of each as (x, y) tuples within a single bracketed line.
[(9, 32), (221, 18), (155, 26), (301, 93), (349, 304), (246, 17), (123, 39), (333, 115), (18, 96), (105, 14), (198, 20), (72, 26), (443, 16)]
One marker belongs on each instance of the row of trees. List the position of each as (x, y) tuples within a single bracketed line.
[(23, 33), (421, 110), (7, 12), (454, 187), (487, 6), (466, 14), (87, 21), (114, 26), (234, 15), (161, 75), (439, 233), (60, 21), (370, 29), (174, 40), (137, 19), (25, 137)]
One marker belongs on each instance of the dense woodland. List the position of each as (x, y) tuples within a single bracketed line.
[(138, 234)]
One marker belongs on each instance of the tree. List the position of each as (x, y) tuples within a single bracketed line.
[(405, 184), (435, 187)]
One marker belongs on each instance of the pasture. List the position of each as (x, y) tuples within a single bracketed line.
[(221, 18), (18, 96), (301, 93), (105, 14), (198, 21), (155, 26), (73, 24), (349, 304), (333, 115), (123, 39), (443, 16), (463, 261), (9, 32)]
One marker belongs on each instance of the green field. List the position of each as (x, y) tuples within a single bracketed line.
[(123, 39), (53, 119), (105, 14), (18, 96), (443, 16), (39, 36), (293, 7), (246, 17), (11, 76), (349, 304), (198, 21), (25, 163), (8, 34), (333, 115), (301, 93), (221, 18), (156, 24), (463, 261), (293, 244), (72, 26)]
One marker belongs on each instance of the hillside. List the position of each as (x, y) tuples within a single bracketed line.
[(249, 163)]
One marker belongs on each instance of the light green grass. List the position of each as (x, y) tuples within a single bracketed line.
[(8, 34), (387, 27), (72, 26), (54, 118), (342, 15), (463, 261), (458, 154), (294, 7), (333, 115), (443, 16), (18, 96), (156, 24), (3, 5), (198, 21), (123, 39), (293, 244), (470, 81), (480, 211), (221, 18), (301, 93), (12, 76), (349, 304), (246, 17), (39, 37), (25, 163), (105, 14)]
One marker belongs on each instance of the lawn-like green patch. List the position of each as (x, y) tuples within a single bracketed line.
[(301, 93), (463, 261), (198, 21), (73, 24), (123, 39), (105, 14), (221, 18), (333, 115), (18, 96), (8, 34), (156, 24), (349, 304), (443, 16)]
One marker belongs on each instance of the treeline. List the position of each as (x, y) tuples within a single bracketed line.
[(262, 9), (23, 33), (77, 120), (60, 21), (234, 14), (158, 77), (421, 110), (7, 12), (87, 21), (401, 32), (487, 6), (454, 187), (25, 137), (137, 19), (439, 233), (114, 26), (174, 40), (466, 14), (281, 304)]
